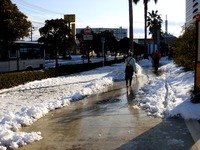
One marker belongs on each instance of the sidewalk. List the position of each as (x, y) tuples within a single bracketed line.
[(108, 122), (194, 128)]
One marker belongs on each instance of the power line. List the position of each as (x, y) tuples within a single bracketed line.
[(44, 13), (35, 7), (33, 11)]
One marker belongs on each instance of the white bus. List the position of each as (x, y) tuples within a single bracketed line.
[(22, 55)]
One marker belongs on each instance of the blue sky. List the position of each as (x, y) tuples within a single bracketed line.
[(103, 13)]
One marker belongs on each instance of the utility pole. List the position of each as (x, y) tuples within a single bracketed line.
[(32, 29)]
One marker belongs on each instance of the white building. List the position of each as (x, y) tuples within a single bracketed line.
[(119, 33), (192, 8)]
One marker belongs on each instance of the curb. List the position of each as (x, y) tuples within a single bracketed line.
[(194, 128)]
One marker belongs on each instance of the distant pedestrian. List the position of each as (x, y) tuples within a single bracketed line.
[(156, 58), (130, 68)]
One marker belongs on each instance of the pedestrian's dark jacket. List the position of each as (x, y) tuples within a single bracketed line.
[(156, 56)]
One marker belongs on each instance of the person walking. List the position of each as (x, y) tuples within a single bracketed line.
[(129, 69), (156, 57)]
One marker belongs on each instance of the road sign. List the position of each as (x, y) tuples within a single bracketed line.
[(87, 31), (198, 17), (87, 37), (70, 17)]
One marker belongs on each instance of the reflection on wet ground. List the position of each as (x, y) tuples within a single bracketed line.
[(108, 121)]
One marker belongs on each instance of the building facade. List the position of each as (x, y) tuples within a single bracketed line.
[(119, 33), (192, 8)]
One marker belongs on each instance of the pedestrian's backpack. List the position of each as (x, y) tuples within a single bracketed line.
[(156, 57), (128, 62)]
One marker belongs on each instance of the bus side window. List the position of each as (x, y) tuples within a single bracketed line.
[(3, 54), (13, 53)]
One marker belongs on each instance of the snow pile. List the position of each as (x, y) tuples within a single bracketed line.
[(169, 94), (88, 83)]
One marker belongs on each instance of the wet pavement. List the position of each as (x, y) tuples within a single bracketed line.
[(108, 121)]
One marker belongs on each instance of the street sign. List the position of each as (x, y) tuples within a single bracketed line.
[(87, 37), (70, 17), (87, 31), (198, 17)]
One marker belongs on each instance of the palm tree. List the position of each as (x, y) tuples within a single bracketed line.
[(145, 22), (154, 22), (131, 22)]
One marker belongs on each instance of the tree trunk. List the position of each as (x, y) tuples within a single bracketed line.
[(57, 55), (145, 28), (131, 25)]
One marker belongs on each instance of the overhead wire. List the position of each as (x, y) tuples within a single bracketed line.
[(35, 7), (32, 12), (36, 13), (43, 12)]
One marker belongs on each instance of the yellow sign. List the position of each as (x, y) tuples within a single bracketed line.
[(70, 18)]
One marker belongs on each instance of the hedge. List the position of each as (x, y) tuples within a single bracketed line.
[(8, 80)]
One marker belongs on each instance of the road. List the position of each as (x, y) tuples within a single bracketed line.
[(108, 121), (76, 59)]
